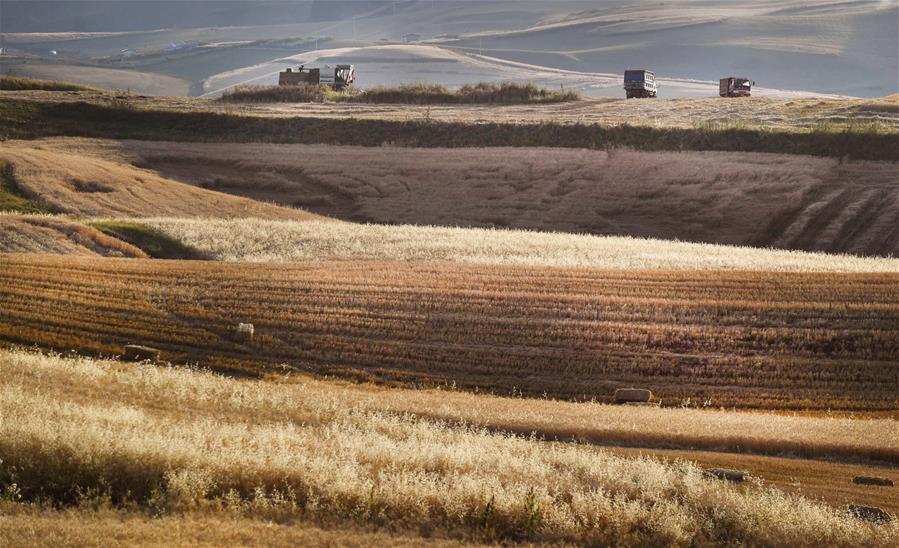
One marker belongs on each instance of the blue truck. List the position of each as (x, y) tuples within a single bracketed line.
[(640, 84)]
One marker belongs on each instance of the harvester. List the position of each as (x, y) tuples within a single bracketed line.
[(640, 84), (337, 77), (734, 86)]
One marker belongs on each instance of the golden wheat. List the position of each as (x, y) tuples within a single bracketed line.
[(179, 439), (265, 241)]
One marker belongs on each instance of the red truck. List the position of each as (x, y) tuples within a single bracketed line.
[(734, 86)]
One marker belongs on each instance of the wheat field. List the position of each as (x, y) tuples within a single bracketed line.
[(177, 440), (279, 241), (748, 339)]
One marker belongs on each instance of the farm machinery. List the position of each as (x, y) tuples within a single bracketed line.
[(734, 86), (640, 84), (337, 77)]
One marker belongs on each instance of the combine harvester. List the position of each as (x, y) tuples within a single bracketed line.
[(734, 86), (640, 84), (338, 77)]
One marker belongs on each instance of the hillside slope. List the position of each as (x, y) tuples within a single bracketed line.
[(258, 240), (76, 182), (47, 234), (791, 202)]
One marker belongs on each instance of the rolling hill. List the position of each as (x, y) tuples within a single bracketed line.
[(791, 202), (75, 181)]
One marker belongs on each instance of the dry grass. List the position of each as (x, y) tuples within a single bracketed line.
[(279, 241), (792, 202), (748, 339), (507, 93), (177, 440), (21, 83), (72, 182), (47, 234), (305, 93), (30, 115), (796, 115), (27, 526)]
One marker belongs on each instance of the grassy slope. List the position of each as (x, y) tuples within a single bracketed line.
[(11, 197), (32, 119), (87, 184), (21, 83), (279, 241), (176, 440), (763, 200), (51, 234), (152, 242), (768, 340)]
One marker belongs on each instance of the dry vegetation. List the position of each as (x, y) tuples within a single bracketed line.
[(792, 202), (47, 234), (412, 94), (21, 83), (507, 93), (771, 340), (26, 526), (276, 94), (175, 442), (28, 115), (792, 115), (70, 181), (279, 241)]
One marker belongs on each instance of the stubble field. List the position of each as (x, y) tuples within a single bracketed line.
[(746, 339)]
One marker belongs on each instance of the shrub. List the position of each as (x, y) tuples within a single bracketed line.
[(506, 93), (306, 93), (22, 83)]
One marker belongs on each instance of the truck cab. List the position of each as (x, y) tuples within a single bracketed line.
[(339, 77), (735, 86), (639, 83)]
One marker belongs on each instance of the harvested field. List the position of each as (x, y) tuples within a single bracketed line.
[(47, 234), (278, 241), (767, 340), (75, 183), (177, 441), (770, 200)]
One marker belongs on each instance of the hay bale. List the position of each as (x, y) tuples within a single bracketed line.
[(244, 331), (869, 513), (872, 480), (737, 476), (626, 395), (140, 353)]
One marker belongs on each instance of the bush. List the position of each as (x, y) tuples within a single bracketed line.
[(307, 93), (482, 93)]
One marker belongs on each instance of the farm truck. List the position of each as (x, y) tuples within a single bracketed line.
[(640, 84), (338, 77), (734, 86)]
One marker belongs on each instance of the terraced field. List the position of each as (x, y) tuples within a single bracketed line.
[(771, 340)]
